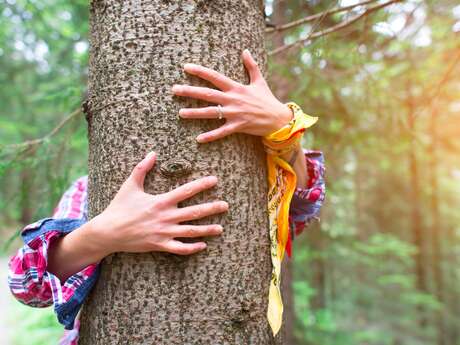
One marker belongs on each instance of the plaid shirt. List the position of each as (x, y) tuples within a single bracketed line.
[(33, 285)]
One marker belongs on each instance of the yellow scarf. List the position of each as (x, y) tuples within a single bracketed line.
[(282, 183)]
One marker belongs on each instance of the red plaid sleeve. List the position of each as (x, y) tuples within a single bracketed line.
[(73, 203), (28, 279), (306, 202)]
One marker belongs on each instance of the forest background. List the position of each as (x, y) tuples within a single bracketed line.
[(380, 267)]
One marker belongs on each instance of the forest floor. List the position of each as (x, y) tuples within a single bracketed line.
[(5, 303)]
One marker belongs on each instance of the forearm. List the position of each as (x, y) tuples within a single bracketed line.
[(299, 164), (75, 251)]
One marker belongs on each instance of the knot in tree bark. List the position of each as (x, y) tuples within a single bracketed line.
[(176, 167)]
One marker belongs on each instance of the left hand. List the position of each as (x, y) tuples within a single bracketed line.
[(250, 109)]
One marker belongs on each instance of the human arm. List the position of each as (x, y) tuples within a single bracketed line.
[(306, 202), (252, 109), (136, 221), (149, 223), (296, 159)]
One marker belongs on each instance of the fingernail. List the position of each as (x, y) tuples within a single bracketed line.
[(224, 206), (219, 228), (150, 154), (176, 88), (203, 246), (190, 66), (213, 179), (247, 50), (200, 138)]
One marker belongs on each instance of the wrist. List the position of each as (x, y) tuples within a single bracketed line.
[(286, 115), (73, 252), (283, 116), (98, 246)]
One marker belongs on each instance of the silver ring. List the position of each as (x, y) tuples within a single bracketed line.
[(219, 109)]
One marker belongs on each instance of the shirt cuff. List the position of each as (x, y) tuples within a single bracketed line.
[(31, 234), (33, 276)]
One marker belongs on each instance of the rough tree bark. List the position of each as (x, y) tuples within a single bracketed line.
[(137, 50)]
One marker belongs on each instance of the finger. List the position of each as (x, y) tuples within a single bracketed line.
[(181, 248), (202, 113), (203, 93), (221, 81), (199, 211), (252, 67), (189, 189), (142, 168), (218, 133), (197, 230)]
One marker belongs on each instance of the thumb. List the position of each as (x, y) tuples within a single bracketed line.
[(252, 67), (142, 168)]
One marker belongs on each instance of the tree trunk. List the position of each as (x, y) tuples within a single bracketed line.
[(436, 229), (452, 305), (137, 52), (26, 212), (318, 267), (287, 335), (416, 222)]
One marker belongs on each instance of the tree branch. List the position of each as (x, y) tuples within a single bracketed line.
[(444, 80), (313, 17), (35, 142), (334, 28)]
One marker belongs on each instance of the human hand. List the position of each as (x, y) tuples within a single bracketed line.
[(250, 109), (136, 221)]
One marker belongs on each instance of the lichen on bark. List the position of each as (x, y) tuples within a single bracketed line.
[(137, 50)]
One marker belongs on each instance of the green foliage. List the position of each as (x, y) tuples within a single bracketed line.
[(43, 60), (356, 276), (34, 326)]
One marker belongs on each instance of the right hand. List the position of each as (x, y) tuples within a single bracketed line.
[(136, 221)]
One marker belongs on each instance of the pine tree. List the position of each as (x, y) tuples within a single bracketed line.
[(137, 50)]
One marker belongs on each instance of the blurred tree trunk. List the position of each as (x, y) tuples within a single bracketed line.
[(137, 53), (318, 267), (26, 177), (452, 305), (358, 204), (417, 231), (26, 212), (436, 229), (282, 84)]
